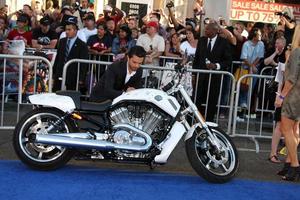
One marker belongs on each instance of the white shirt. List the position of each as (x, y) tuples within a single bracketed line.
[(186, 47), (128, 75), (80, 35), (245, 34), (72, 41), (213, 41), (280, 73), (157, 42), (88, 32)]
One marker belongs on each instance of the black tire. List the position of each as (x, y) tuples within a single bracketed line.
[(38, 156), (204, 160)]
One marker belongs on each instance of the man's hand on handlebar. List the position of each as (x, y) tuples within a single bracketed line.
[(130, 89)]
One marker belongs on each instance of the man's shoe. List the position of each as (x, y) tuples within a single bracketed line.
[(222, 116), (252, 116), (239, 119), (244, 105)]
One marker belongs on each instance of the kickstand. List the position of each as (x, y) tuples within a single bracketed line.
[(152, 165)]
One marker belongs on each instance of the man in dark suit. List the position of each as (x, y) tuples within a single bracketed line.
[(70, 47), (212, 53), (121, 76)]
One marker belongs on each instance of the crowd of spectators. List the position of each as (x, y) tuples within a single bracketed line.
[(158, 33)]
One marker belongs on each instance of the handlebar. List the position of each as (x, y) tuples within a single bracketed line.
[(180, 70), (168, 86)]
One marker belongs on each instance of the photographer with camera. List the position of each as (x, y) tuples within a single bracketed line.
[(172, 18), (110, 11), (190, 23), (82, 8), (288, 22)]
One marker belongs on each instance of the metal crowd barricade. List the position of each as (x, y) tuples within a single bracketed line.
[(93, 74), (265, 69), (19, 61), (235, 63), (33, 50), (50, 53), (252, 132), (107, 57), (160, 70), (261, 86), (165, 59), (196, 73)]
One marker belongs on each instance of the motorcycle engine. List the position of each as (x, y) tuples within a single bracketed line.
[(144, 116)]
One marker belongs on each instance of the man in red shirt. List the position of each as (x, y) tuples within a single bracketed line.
[(20, 32)]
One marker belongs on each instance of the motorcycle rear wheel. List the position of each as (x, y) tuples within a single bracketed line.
[(213, 167), (41, 156)]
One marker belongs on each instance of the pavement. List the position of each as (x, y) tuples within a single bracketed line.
[(253, 166)]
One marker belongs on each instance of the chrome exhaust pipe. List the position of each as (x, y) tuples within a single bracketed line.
[(84, 140)]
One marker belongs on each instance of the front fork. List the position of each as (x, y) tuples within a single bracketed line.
[(192, 108)]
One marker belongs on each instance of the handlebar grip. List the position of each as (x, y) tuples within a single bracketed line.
[(178, 68), (168, 86)]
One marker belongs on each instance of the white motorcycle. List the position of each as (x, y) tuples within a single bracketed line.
[(140, 126)]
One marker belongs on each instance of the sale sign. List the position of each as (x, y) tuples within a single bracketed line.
[(260, 11)]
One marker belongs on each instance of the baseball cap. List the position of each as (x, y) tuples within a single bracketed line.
[(89, 16), (126, 29), (152, 24), (108, 8), (191, 23), (71, 20), (66, 7), (45, 21), (22, 18)]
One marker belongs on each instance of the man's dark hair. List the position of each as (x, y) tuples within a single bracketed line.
[(133, 17), (270, 26), (28, 6), (214, 26), (109, 19), (137, 51), (103, 24), (74, 26), (127, 30), (259, 25), (253, 33)]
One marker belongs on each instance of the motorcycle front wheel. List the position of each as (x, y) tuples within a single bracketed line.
[(41, 156), (213, 166)]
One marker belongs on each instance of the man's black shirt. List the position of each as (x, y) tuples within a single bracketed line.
[(44, 38)]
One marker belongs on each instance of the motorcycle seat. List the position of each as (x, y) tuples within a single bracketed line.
[(75, 95), (85, 105), (95, 106)]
